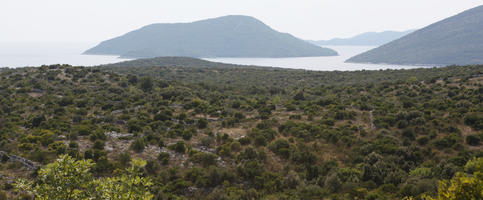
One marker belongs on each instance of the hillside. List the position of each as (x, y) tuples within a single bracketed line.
[(212, 132), (193, 70), (457, 40), (228, 36), (365, 39)]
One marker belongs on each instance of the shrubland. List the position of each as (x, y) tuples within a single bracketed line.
[(241, 132)]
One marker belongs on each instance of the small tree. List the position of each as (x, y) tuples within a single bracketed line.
[(129, 185), (70, 179), (462, 185), (63, 179)]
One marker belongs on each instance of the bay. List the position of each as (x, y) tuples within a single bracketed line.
[(325, 63), (15, 54)]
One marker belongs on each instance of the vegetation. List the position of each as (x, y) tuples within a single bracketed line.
[(463, 185), (233, 132), (68, 179)]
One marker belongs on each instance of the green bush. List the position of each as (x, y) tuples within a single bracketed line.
[(473, 140), (138, 145), (179, 147), (163, 157), (205, 159)]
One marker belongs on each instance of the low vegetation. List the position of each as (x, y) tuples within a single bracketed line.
[(241, 133)]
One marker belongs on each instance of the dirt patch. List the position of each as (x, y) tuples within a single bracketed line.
[(234, 132), (35, 94)]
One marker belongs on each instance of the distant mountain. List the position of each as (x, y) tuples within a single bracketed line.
[(365, 39), (455, 40), (229, 36)]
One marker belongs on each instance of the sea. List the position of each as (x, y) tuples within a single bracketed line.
[(22, 54)]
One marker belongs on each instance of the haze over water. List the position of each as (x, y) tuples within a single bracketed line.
[(37, 54), (42, 53)]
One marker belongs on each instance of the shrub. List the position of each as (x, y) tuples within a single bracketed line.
[(187, 135), (473, 140), (36, 121), (58, 146), (164, 158), (99, 144), (138, 145), (124, 158), (281, 148), (474, 120), (207, 141), (244, 141), (202, 123), (423, 140), (446, 141), (178, 147), (205, 159), (422, 172), (474, 165), (235, 146), (260, 140)]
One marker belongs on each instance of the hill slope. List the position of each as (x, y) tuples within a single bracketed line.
[(366, 39), (229, 36), (281, 134), (455, 40), (196, 71)]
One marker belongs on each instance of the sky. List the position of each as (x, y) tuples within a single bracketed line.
[(98, 20)]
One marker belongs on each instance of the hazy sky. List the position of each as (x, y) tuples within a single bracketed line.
[(97, 20)]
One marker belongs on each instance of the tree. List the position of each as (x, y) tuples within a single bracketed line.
[(129, 185), (70, 179), (63, 179), (463, 186)]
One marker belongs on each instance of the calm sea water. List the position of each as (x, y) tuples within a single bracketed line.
[(36, 54), (331, 63)]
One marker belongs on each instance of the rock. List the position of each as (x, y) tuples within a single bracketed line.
[(30, 165)]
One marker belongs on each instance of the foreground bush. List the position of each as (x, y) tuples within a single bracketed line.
[(70, 179)]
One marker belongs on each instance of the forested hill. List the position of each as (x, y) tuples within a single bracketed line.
[(456, 40), (239, 132), (228, 36)]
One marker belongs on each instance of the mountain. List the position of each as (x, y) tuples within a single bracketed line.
[(455, 40), (228, 36), (365, 39)]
